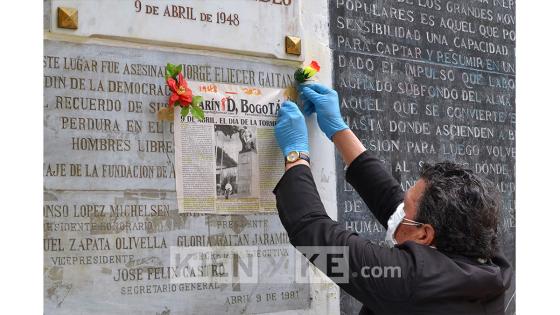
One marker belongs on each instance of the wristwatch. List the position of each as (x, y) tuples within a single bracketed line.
[(295, 155)]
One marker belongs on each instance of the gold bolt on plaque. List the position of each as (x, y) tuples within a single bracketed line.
[(293, 45), (68, 18)]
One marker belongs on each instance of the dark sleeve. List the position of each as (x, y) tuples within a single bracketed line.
[(380, 191), (307, 224)]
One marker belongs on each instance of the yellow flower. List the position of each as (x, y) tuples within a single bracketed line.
[(312, 69)]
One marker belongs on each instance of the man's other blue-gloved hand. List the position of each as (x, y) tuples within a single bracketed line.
[(324, 101), (290, 129)]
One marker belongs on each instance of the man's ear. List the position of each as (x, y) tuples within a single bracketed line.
[(426, 234)]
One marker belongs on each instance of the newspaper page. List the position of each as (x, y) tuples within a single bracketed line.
[(230, 162)]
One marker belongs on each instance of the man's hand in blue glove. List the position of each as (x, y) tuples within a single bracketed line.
[(324, 101), (290, 129)]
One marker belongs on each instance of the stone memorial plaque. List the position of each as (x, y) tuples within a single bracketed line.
[(111, 223), (426, 81), (250, 27), (101, 129)]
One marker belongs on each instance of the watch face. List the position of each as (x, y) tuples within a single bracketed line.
[(292, 156)]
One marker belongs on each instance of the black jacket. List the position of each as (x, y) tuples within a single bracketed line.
[(431, 282)]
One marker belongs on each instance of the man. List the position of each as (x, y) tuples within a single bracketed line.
[(228, 190), (444, 228), (247, 140)]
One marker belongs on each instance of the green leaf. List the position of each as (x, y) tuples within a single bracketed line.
[(184, 111), (178, 69), (197, 112), (169, 69), (299, 75), (197, 100)]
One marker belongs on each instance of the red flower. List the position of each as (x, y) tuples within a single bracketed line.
[(179, 91), (315, 65)]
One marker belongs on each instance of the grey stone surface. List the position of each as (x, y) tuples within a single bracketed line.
[(233, 25), (92, 117), (99, 229)]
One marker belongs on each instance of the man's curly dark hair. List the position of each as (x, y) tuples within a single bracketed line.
[(463, 209)]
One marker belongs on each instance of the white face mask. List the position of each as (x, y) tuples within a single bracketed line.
[(392, 225)]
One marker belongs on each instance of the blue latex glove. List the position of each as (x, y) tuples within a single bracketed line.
[(290, 129), (324, 101)]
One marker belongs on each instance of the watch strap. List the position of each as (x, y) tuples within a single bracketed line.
[(305, 157)]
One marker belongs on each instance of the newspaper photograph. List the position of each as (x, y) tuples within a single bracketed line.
[(230, 162)]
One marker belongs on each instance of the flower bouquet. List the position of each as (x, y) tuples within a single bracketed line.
[(301, 76), (306, 73), (181, 95)]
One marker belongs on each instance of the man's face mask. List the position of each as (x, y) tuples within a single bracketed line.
[(395, 220)]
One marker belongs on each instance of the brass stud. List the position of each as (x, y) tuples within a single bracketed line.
[(293, 45), (68, 18)]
